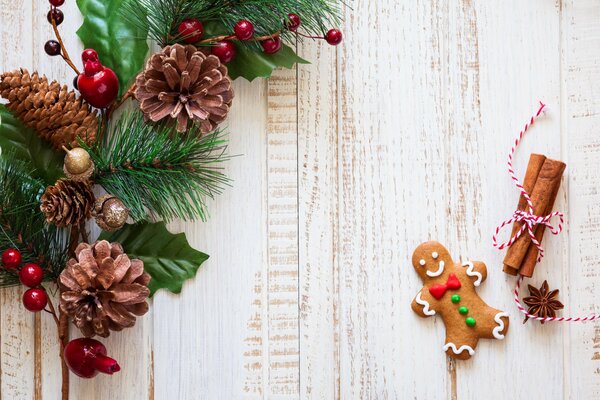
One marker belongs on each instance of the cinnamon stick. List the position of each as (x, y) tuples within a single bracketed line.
[(536, 161), (542, 196), (530, 260)]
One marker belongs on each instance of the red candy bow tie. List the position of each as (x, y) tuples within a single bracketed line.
[(438, 290)]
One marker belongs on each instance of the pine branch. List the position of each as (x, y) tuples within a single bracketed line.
[(23, 226), (162, 17), (158, 172)]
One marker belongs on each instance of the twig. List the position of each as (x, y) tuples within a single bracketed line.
[(63, 51), (63, 337), (126, 96), (230, 37)]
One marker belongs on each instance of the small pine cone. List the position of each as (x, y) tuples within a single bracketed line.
[(102, 289), (54, 112), (184, 84), (68, 202)]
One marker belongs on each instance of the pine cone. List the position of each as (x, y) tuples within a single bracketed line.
[(185, 84), (68, 202), (102, 289), (55, 113)]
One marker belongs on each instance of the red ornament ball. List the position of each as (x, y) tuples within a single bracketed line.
[(224, 50), (294, 22), (11, 259), (58, 16), (244, 30), (35, 299), (57, 3), (31, 275), (271, 46), (334, 37), (191, 30), (86, 357)]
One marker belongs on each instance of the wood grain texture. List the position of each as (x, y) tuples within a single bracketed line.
[(342, 168)]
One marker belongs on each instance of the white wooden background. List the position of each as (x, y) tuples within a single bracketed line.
[(397, 136)]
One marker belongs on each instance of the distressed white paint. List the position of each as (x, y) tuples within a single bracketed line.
[(397, 136)]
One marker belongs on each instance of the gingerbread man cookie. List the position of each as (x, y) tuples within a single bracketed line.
[(450, 292)]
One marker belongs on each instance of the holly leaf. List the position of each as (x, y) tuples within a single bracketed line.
[(24, 144), (121, 46), (251, 61), (168, 258)]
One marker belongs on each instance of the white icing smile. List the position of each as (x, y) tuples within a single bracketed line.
[(459, 350), (438, 272), (500, 327), (425, 305), (471, 272)]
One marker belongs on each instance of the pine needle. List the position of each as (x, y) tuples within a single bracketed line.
[(159, 173)]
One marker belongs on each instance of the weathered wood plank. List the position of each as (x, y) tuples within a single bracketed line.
[(581, 118), (318, 218), (17, 345)]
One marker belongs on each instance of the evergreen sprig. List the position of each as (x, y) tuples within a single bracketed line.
[(157, 172), (23, 225), (162, 17)]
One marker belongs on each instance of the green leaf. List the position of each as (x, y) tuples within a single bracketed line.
[(250, 61), (121, 45), (24, 144), (168, 258)]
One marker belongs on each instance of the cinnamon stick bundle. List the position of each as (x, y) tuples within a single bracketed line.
[(542, 181)]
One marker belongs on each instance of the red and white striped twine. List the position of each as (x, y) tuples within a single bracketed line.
[(530, 220)]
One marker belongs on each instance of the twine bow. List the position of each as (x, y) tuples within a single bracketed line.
[(529, 219)]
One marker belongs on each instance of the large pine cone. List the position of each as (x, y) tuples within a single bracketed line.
[(185, 84), (102, 290), (54, 112), (68, 202)]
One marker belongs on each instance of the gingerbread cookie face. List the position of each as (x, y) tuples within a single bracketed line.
[(449, 292)]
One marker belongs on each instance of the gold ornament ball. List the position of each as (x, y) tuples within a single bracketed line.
[(77, 161), (111, 213)]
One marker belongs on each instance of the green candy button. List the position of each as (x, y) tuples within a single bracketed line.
[(455, 298), (470, 321), (463, 311)]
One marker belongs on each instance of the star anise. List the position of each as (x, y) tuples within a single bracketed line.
[(542, 302)]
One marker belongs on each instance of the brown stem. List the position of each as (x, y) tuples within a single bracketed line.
[(63, 50), (126, 96), (84, 234), (229, 37), (62, 327)]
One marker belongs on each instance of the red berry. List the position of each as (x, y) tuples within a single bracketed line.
[(57, 3), (11, 258), (52, 48), (31, 275), (271, 46), (86, 357), (58, 16), (35, 299), (191, 30), (294, 22), (98, 85), (224, 50), (244, 30), (334, 37)]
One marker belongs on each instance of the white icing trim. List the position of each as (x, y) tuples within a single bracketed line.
[(438, 272), (471, 272), (422, 262), (425, 305), (500, 327), (459, 350), (435, 254)]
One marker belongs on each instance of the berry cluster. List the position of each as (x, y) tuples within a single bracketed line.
[(30, 275), (55, 17), (191, 31)]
